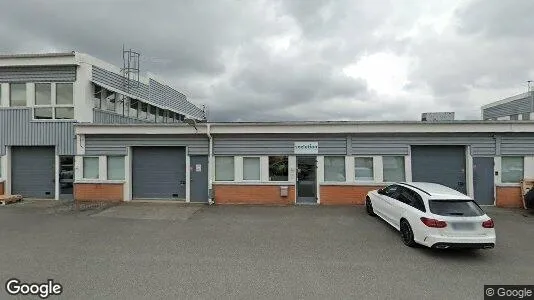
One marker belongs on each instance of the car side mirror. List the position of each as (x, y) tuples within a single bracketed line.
[(381, 191)]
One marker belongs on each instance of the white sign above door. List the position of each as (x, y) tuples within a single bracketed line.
[(306, 148)]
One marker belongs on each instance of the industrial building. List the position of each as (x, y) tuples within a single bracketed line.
[(161, 148), (518, 107)]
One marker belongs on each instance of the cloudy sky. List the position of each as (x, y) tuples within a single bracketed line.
[(300, 59)]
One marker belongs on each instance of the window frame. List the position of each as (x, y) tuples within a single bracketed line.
[(97, 167), (403, 159), (373, 169), (259, 168), (269, 168), (11, 84), (503, 172), (233, 168), (123, 158), (344, 168)]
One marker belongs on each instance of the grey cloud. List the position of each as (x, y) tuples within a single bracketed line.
[(497, 18), (215, 51)]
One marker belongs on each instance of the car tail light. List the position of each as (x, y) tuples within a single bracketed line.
[(434, 223), (488, 224)]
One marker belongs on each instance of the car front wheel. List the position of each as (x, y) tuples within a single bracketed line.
[(407, 234), (369, 207)]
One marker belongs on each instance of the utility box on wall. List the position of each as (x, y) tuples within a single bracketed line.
[(284, 191)]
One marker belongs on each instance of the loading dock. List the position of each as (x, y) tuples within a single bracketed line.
[(33, 171), (158, 173)]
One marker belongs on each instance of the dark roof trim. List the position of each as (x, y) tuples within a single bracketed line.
[(414, 187)]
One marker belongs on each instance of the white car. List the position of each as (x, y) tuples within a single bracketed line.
[(432, 215)]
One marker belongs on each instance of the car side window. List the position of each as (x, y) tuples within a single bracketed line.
[(411, 198), (392, 190)]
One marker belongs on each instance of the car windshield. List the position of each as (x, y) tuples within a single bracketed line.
[(464, 208)]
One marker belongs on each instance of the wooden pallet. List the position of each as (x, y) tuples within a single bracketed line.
[(10, 199)]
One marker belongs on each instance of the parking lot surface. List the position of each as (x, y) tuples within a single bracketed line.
[(247, 252)]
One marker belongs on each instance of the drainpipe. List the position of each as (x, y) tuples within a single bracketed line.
[(210, 164)]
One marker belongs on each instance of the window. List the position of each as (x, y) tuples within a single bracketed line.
[(109, 101), (512, 169), (514, 117), (43, 94), (224, 168), (97, 96), (160, 114), (64, 94), (0, 166), (334, 168), (42, 113), (143, 110), (151, 113), (410, 198), (391, 191), (393, 168), (126, 111), (119, 105), (364, 168), (525, 116), (64, 112), (133, 108), (251, 168), (116, 167), (17, 95), (278, 168), (465, 208), (90, 167)]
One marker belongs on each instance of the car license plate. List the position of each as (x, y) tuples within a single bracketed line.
[(463, 226)]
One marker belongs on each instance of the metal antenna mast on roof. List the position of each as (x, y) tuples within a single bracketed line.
[(130, 68)]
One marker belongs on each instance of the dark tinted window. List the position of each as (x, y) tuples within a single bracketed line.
[(411, 198), (465, 208), (391, 191)]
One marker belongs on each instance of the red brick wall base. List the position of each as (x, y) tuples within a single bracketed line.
[(112, 192), (345, 194), (2, 188), (252, 194), (508, 196)]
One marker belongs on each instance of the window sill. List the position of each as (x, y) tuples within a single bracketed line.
[(354, 183), (253, 183), (508, 184), (97, 181)]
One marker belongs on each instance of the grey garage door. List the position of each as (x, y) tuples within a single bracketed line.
[(199, 178), (32, 171), (158, 172), (440, 164)]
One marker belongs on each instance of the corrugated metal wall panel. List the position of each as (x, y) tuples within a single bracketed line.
[(38, 74), (18, 129), (117, 81), (481, 145), (518, 106), (517, 145), (111, 144), (154, 92), (167, 96), (107, 117), (276, 144)]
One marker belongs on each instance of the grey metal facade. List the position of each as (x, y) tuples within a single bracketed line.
[(519, 106), (517, 144), (18, 129), (108, 117), (153, 93), (266, 144), (38, 74), (335, 144), (167, 96), (116, 145)]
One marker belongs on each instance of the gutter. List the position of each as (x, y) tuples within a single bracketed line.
[(210, 164)]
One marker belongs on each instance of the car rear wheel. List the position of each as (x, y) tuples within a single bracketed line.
[(369, 207), (407, 234)]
